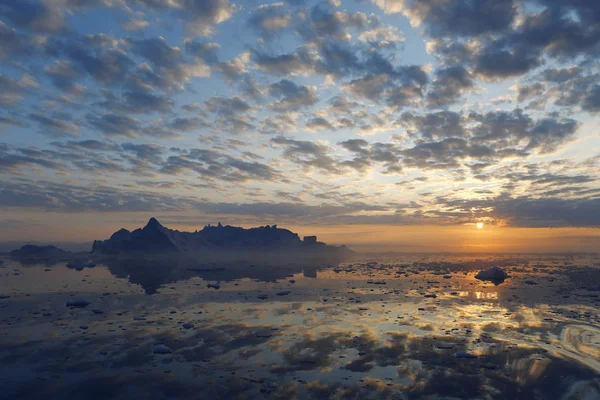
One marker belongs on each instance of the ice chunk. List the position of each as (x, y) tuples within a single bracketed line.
[(78, 303), (493, 274), (161, 349), (462, 354)]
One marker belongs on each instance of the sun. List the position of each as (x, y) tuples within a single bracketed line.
[(480, 225)]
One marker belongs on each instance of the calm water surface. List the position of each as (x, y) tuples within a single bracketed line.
[(410, 327)]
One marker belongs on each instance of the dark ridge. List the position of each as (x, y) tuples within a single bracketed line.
[(156, 238)]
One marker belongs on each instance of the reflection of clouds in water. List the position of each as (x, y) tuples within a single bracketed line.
[(583, 343), (366, 341)]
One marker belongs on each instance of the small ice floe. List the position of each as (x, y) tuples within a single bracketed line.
[(489, 366), (462, 354), (214, 286), (187, 325), (78, 303), (283, 293), (161, 349), (494, 274), (79, 264)]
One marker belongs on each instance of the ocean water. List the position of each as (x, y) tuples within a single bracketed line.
[(401, 327)]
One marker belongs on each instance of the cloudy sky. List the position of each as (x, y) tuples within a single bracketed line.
[(365, 121)]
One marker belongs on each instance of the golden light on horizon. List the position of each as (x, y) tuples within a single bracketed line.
[(480, 225)]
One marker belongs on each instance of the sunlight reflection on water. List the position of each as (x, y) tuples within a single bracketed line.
[(361, 332)]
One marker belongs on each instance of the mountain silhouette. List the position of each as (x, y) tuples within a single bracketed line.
[(156, 238)]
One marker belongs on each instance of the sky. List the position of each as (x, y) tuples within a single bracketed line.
[(381, 124)]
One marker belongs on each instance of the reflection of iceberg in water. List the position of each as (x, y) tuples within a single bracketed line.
[(308, 272), (151, 274)]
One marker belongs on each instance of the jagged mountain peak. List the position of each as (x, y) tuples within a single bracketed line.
[(153, 224)]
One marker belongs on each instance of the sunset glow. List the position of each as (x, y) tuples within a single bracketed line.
[(300, 113)]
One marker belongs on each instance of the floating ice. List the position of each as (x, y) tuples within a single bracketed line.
[(78, 303), (493, 274), (161, 349), (462, 354)]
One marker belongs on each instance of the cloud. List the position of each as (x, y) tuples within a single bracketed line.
[(142, 102), (210, 164), (269, 19), (14, 44), (53, 126), (39, 16), (307, 154), (64, 77), (291, 96), (382, 36), (503, 59), (324, 22), (436, 125), (501, 39), (528, 92), (146, 152), (510, 128), (13, 162), (591, 102), (532, 212), (397, 89), (114, 124), (234, 69), (85, 145), (105, 65), (204, 15), (135, 25), (169, 67), (188, 124), (285, 94), (300, 62), (369, 155), (227, 107), (207, 52), (444, 154), (448, 86), (442, 18), (12, 90), (319, 124), (201, 16)]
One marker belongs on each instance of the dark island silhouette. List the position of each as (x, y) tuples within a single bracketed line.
[(155, 238), (155, 255)]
